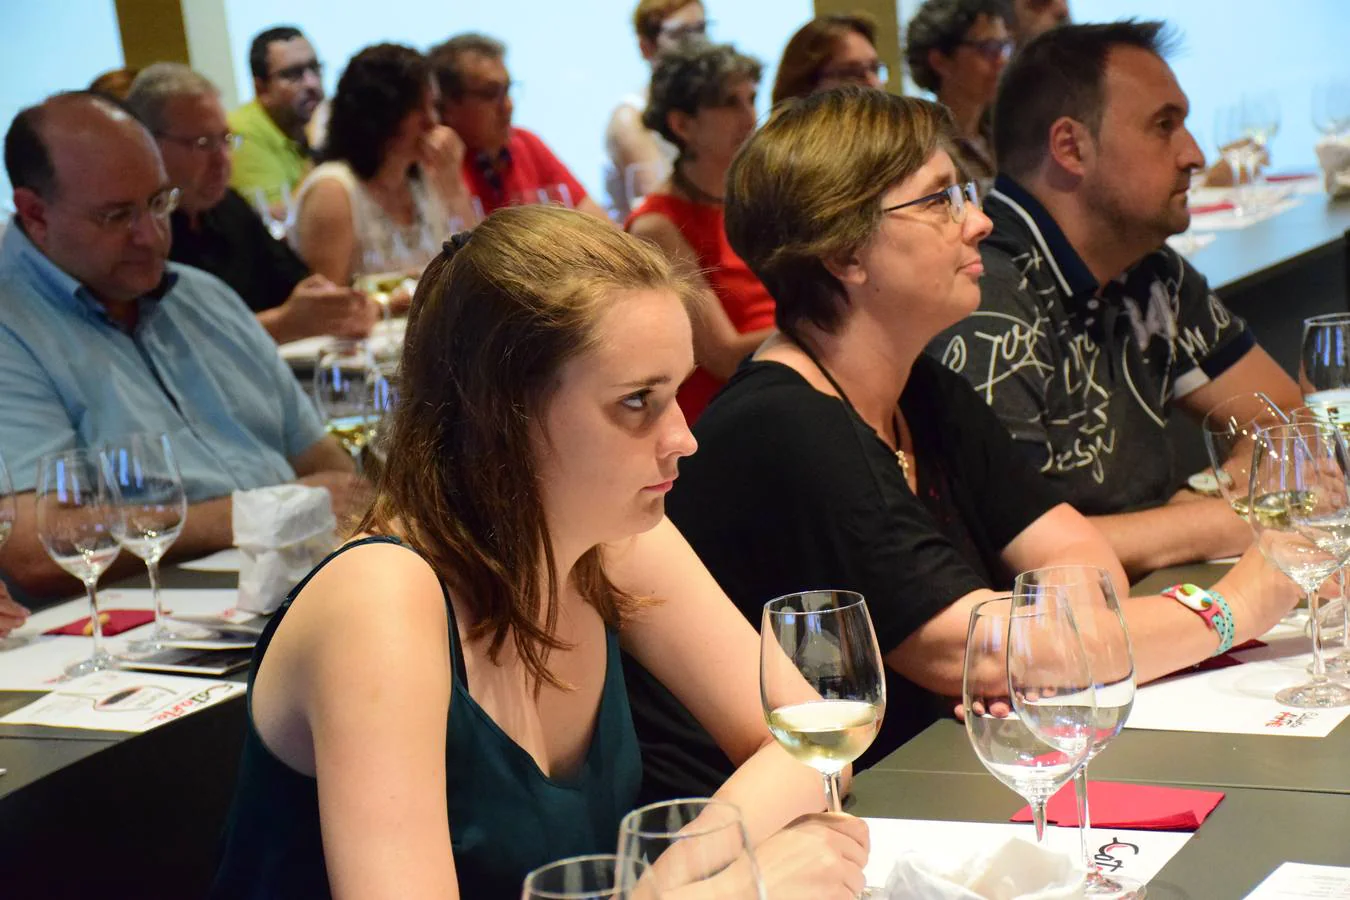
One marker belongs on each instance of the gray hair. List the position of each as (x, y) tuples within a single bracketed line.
[(157, 84)]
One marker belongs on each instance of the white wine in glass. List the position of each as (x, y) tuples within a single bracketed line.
[(1229, 431), (76, 521), (821, 681)]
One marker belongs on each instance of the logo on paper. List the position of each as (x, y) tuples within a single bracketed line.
[(1288, 721), (1106, 856)]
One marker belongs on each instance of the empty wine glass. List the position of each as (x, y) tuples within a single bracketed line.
[(8, 513), (1300, 514), (1229, 431), (343, 395), (1331, 107), (696, 847), (76, 521), (152, 508), (1234, 147), (276, 207), (1027, 696), (821, 680), (1091, 598), (601, 876)]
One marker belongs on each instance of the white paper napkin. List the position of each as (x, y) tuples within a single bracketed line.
[(1012, 870), (282, 531)]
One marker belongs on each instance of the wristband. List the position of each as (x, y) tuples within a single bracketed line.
[(1210, 606)]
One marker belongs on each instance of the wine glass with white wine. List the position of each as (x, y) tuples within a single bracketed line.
[(821, 680), (343, 395)]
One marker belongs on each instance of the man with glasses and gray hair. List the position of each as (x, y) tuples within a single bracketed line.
[(503, 165), (214, 228), (288, 88), (101, 337)]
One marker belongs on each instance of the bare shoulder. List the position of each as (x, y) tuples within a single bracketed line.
[(326, 199)]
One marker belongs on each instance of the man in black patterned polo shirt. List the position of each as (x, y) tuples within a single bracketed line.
[(1090, 328)]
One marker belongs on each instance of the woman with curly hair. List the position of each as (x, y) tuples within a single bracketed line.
[(389, 185), (957, 49), (702, 100)]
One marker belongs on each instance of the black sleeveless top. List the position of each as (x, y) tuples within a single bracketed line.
[(506, 816)]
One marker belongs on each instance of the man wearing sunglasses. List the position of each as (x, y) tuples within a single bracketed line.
[(503, 165), (1091, 330), (101, 337), (288, 84)]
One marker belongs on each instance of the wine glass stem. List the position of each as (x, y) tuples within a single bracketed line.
[(1319, 671), (1345, 617), (1080, 789), (152, 569), (834, 793), (1038, 819), (96, 626)]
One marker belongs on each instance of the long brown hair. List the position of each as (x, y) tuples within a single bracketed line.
[(493, 320), (811, 49)]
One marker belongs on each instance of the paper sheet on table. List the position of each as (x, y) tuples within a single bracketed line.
[(1138, 854), (1190, 242), (39, 664), (1238, 699), (1229, 220), (227, 560), (122, 701), (1296, 881), (382, 337)]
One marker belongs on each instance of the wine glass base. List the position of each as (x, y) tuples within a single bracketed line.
[(1316, 695), (156, 640), (1337, 666), (99, 662), (14, 642), (1113, 887)]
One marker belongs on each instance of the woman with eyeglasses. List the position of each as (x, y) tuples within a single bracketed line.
[(957, 49), (840, 454), (639, 157), (389, 186), (830, 51), (703, 102)]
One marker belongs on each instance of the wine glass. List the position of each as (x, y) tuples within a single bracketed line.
[(277, 225), (821, 680), (1229, 431), (152, 508), (699, 845), (601, 876), (1260, 113), (1300, 514), (76, 522), (343, 394), (1233, 149), (1091, 599), (8, 513), (383, 400), (1027, 695)]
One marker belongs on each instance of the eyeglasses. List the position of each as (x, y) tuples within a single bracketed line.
[(859, 73), (677, 31), (494, 93), (991, 49), (297, 71), (127, 216), (206, 143), (958, 197)]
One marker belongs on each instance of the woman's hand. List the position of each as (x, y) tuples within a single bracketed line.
[(441, 154), (819, 856)]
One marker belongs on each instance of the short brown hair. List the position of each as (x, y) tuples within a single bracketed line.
[(651, 14), (810, 49), (807, 187), (493, 320), (445, 59), (691, 77)]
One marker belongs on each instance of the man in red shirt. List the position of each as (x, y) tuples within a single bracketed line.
[(502, 165)]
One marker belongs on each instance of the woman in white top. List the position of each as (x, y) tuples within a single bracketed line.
[(389, 188), (639, 158)]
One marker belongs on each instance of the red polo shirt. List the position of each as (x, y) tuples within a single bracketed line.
[(526, 168)]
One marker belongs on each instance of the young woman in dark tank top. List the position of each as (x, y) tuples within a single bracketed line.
[(438, 708)]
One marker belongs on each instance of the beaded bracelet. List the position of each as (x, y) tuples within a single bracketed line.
[(1210, 606)]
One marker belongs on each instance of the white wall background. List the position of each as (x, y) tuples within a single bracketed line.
[(572, 61), (51, 46)]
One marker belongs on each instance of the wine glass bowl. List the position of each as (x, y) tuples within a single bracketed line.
[(601, 876), (76, 523), (1229, 431), (822, 683), (697, 847), (342, 392)]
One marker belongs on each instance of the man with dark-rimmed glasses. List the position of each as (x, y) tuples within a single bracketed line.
[(288, 84)]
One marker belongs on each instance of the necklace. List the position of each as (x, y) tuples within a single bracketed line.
[(900, 456), (698, 194)]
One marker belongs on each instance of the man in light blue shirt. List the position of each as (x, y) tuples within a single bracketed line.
[(101, 337)]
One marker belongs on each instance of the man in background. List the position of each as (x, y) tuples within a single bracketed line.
[(216, 229), (503, 165)]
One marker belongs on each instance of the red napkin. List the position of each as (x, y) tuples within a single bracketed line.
[(1294, 176), (1211, 208), (1139, 806), (115, 621), (1225, 660)]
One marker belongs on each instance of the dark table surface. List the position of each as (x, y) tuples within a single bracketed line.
[(1241, 259), (1248, 835)]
